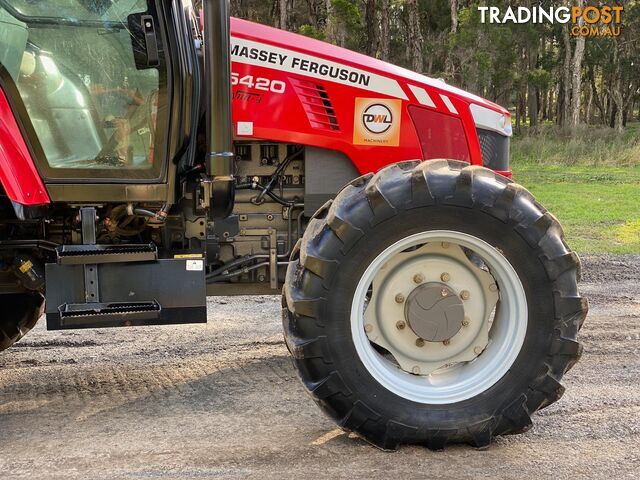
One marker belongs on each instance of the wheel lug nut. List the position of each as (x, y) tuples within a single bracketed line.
[(419, 342), (416, 370), (368, 328), (465, 322), (465, 295), (445, 277), (445, 244), (419, 278), (446, 342), (400, 325), (444, 292), (477, 350), (399, 298), (493, 287)]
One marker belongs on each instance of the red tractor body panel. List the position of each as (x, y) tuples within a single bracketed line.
[(294, 89), (291, 88), (18, 173)]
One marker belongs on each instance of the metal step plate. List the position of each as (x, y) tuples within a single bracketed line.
[(95, 254)]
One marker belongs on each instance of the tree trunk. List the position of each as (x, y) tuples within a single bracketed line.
[(331, 32), (240, 8), (449, 68), (521, 109), (415, 35), (371, 22), (618, 120), (576, 77), (385, 40), (284, 14), (563, 113), (454, 16), (588, 112), (315, 7), (550, 106), (532, 94), (621, 91), (596, 97)]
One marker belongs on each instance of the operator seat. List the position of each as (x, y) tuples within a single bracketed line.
[(61, 110)]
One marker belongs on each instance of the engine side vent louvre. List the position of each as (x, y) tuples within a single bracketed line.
[(317, 105)]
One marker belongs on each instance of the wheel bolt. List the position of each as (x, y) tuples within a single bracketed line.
[(445, 277), (368, 328), (445, 244), (465, 295), (446, 342), (477, 350), (493, 287), (399, 298), (419, 278), (416, 370), (419, 342), (400, 325), (465, 322), (444, 292)]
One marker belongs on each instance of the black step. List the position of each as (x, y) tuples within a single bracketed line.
[(94, 254), (102, 314)]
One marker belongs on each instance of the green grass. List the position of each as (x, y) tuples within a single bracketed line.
[(595, 192), (592, 146)]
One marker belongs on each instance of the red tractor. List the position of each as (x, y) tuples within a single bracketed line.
[(146, 164)]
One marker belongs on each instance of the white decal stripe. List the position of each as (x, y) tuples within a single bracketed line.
[(447, 102), (422, 96), (293, 62)]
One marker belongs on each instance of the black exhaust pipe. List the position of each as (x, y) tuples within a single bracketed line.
[(220, 161)]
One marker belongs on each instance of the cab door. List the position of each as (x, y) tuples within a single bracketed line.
[(92, 78)]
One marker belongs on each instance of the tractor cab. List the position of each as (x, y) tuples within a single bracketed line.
[(104, 97), (103, 91)]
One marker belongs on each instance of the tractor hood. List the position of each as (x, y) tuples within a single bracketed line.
[(325, 61), (288, 88)]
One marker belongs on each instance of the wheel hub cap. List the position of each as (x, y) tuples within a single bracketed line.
[(448, 321), (434, 312)]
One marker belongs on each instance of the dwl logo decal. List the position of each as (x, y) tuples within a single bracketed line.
[(377, 118), (377, 122)]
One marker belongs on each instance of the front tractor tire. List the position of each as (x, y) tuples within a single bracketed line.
[(433, 303)]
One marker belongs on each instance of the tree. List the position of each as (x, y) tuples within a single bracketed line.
[(576, 77), (385, 37), (284, 14), (454, 16), (414, 32), (371, 22)]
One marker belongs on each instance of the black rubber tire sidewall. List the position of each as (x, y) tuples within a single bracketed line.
[(21, 312), (512, 385)]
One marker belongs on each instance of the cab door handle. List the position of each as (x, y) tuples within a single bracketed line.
[(150, 39)]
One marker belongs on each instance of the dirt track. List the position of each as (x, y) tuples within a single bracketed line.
[(222, 400)]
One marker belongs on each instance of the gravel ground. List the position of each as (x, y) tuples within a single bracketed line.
[(222, 400)]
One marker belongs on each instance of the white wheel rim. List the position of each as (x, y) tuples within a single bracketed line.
[(466, 380)]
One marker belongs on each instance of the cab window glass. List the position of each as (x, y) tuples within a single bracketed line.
[(91, 102), (105, 10)]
